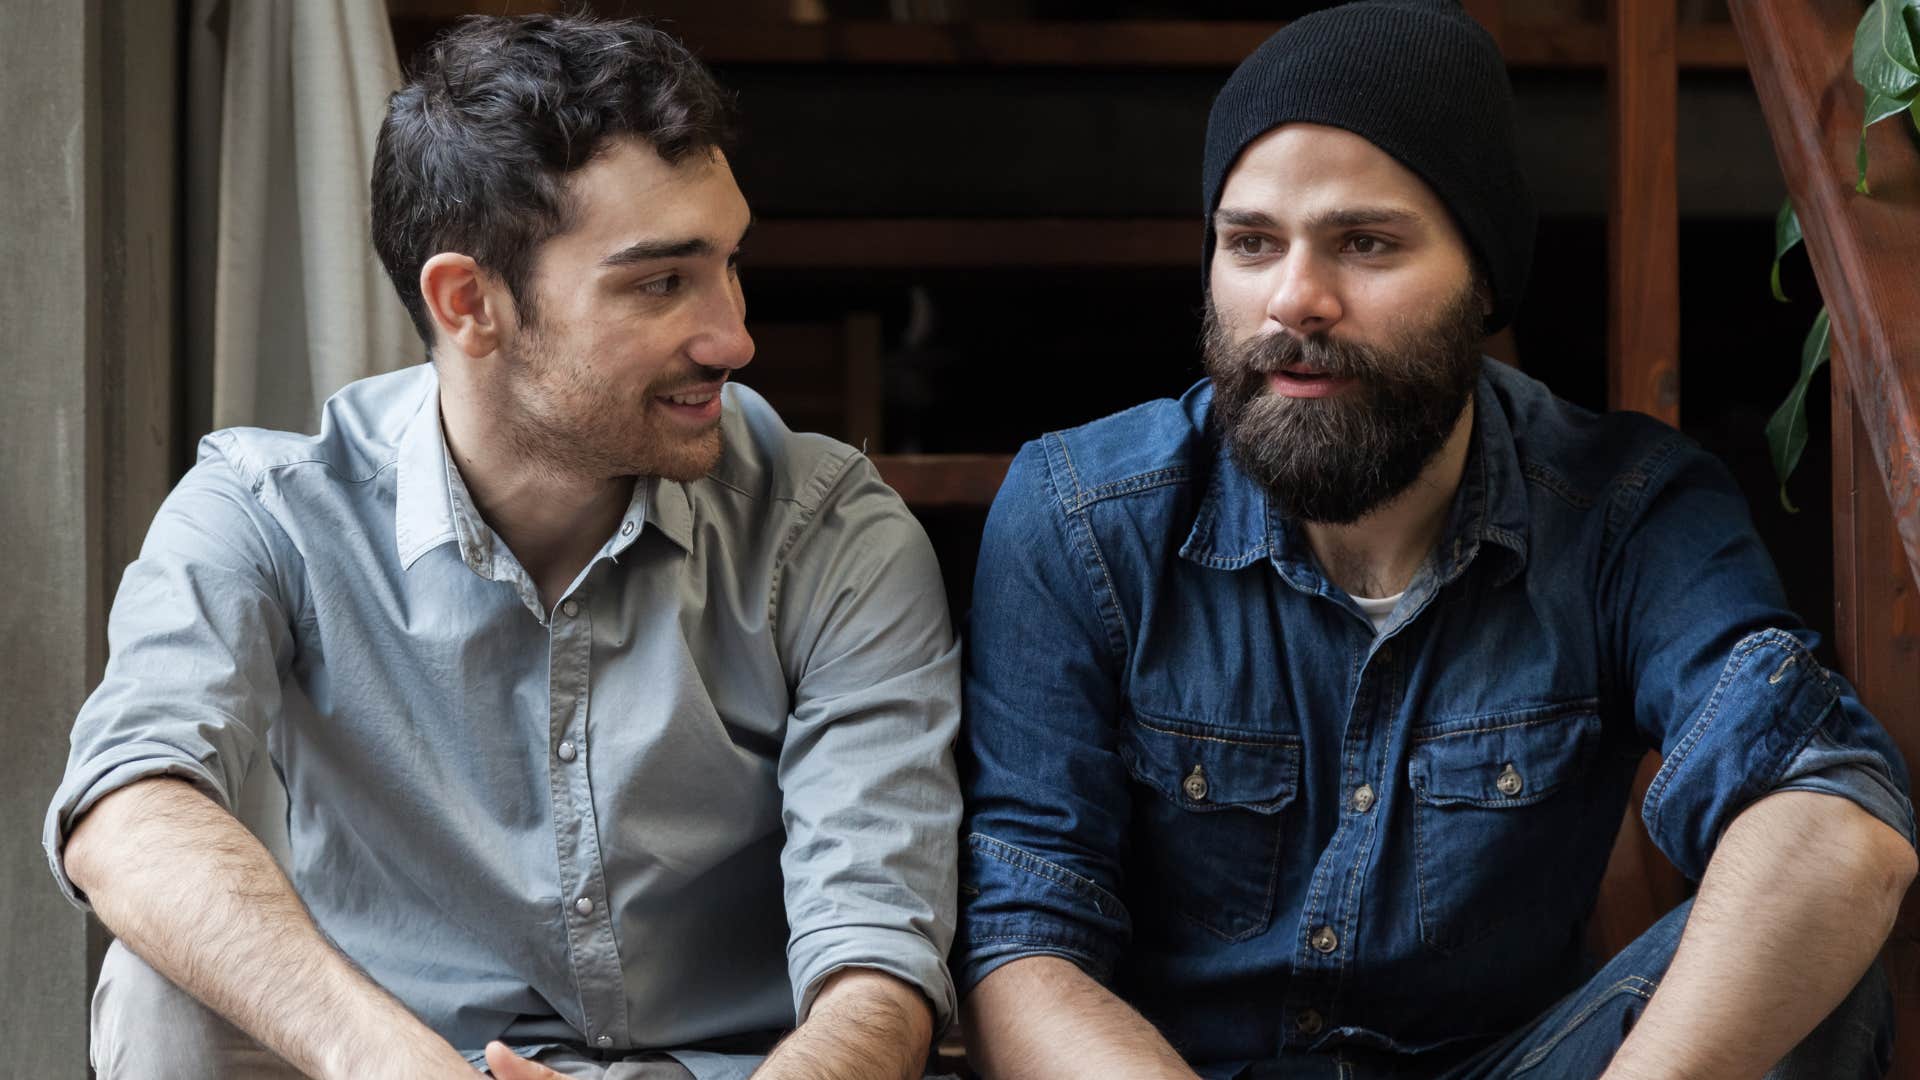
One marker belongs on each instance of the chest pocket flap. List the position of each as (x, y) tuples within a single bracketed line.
[(1206, 768), (1513, 760)]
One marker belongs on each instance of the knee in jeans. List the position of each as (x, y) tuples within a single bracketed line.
[(1855, 1040)]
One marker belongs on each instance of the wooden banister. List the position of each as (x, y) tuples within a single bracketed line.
[(1643, 220), (1865, 249)]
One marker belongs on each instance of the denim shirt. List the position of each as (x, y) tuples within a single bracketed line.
[(1195, 770)]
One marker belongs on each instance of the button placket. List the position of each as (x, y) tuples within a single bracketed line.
[(590, 941)]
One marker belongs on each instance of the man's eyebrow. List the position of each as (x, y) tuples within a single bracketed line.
[(1245, 219), (1360, 217), (654, 250), (1349, 218)]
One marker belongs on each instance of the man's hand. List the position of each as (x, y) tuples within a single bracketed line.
[(504, 1064), (864, 1025), (1798, 898)]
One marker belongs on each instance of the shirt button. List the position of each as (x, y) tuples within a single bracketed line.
[(1324, 940), (584, 905), (1195, 785), (1510, 782), (1383, 654), (571, 607), (567, 751), (604, 1040), (627, 529), (1362, 799), (1308, 1023)]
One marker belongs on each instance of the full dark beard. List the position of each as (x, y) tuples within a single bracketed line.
[(1333, 460)]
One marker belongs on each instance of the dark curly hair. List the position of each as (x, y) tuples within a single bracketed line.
[(475, 151)]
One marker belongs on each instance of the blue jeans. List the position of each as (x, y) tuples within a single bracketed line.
[(1578, 1035)]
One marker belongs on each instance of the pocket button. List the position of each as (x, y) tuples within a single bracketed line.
[(1509, 781), (1362, 799), (1308, 1023), (1195, 785)]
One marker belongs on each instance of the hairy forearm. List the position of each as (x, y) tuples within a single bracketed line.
[(193, 893), (1042, 1018), (1801, 892), (864, 1025)]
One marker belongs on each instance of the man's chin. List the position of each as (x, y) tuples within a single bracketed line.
[(690, 461)]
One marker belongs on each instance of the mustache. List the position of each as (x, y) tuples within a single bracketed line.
[(1273, 352)]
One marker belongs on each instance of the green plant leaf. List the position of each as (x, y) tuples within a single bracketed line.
[(1883, 57), (1878, 109), (1786, 235), (1787, 429)]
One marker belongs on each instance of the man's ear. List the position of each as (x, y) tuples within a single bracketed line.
[(468, 307)]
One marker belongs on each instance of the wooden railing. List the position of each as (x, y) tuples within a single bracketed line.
[(1866, 256)]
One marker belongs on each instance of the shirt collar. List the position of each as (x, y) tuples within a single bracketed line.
[(423, 503), (1236, 524)]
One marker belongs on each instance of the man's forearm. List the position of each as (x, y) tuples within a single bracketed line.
[(864, 1025), (1042, 1018), (1801, 892), (193, 893)]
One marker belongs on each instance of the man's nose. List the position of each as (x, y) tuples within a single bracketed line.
[(723, 342), (1305, 299)]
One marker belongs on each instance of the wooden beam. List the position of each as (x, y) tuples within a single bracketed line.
[(1106, 43), (967, 243), (1863, 248), (1643, 220), (944, 480)]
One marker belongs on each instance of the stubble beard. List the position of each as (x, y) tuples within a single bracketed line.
[(576, 427), (1335, 459)]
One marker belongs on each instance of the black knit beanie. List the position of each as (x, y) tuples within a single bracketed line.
[(1417, 78)]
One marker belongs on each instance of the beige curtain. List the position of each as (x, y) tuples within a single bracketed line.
[(285, 300)]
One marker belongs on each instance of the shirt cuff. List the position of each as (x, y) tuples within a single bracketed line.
[(902, 954), (1015, 904), (1851, 773), (94, 780)]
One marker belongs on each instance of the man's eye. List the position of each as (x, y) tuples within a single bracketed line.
[(661, 286), (1250, 244), (1367, 245)]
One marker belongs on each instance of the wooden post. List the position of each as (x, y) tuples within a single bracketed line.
[(1643, 220)]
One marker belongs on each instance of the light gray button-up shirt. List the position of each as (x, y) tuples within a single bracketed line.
[(718, 772)]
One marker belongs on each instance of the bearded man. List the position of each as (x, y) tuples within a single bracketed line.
[(1301, 712), (615, 718)]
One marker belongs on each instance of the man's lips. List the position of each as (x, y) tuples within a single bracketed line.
[(1300, 381), (700, 402)]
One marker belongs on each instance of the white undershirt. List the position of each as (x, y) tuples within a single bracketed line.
[(1378, 611)]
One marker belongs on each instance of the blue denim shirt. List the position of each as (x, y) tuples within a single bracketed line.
[(1195, 770)]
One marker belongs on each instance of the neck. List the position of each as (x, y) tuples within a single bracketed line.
[(551, 518), (1378, 555)]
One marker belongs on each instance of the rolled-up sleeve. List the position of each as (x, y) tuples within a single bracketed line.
[(1723, 676), (198, 639), (1047, 798), (870, 799)]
